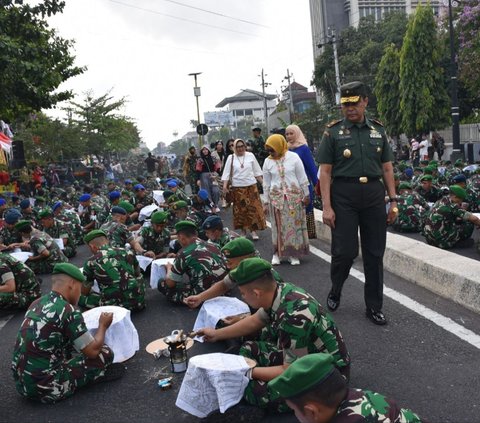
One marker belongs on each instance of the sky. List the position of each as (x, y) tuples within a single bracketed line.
[(143, 50)]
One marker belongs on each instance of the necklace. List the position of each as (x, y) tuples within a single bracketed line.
[(241, 163)]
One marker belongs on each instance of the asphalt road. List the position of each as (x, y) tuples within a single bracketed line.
[(412, 359)]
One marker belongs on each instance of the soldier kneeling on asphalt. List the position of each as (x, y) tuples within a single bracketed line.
[(318, 393), (43, 365)]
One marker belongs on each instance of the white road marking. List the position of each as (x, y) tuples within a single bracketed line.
[(4, 320), (442, 321)]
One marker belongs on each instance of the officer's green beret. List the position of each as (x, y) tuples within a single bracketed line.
[(185, 225), (238, 247), (40, 199), (94, 234), (70, 270), (22, 224), (249, 270), (179, 205), (426, 178), (405, 185), (458, 191), (303, 374), (45, 213), (159, 217), (129, 207)]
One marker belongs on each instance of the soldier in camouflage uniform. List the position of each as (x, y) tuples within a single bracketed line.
[(411, 210), (18, 285), (216, 233), (8, 234), (427, 190), (88, 219), (313, 387), (46, 252), (117, 273), (189, 170), (472, 198), (299, 322), (71, 218), (155, 239), (58, 230), (142, 197), (197, 266), (27, 212), (258, 146), (54, 353), (118, 233), (447, 223)]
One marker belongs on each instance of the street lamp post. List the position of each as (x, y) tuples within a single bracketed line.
[(196, 93), (455, 111)]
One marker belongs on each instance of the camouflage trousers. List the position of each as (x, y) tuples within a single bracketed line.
[(132, 298), (65, 380), (12, 300), (448, 239), (265, 354), (178, 294), (41, 266), (70, 251)]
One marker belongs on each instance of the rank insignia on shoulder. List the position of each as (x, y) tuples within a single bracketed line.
[(333, 122), (326, 134), (376, 121)]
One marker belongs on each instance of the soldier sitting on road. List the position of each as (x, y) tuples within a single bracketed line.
[(43, 366), (300, 323), (427, 190), (142, 197), (71, 217), (411, 210), (216, 233), (88, 218), (117, 273), (46, 252), (197, 266), (155, 239), (446, 224), (8, 234), (316, 391), (18, 285), (118, 233), (472, 199), (58, 230)]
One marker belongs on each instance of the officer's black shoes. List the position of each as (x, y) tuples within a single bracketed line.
[(376, 317), (333, 302), (114, 371), (241, 412)]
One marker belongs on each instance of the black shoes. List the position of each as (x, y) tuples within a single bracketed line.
[(333, 302), (114, 371), (376, 317)]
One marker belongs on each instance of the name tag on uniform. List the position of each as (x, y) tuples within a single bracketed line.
[(375, 134)]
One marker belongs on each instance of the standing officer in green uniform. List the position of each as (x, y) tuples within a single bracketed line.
[(301, 326), (117, 273), (58, 230), (155, 239), (318, 393), (55, 354), (18, 285), (356, 169)]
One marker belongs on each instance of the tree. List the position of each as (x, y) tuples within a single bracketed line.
[(387, 90), (313, 121), (424, 101), (34, 60)]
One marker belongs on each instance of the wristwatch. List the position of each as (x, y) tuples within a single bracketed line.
[(392, 199)]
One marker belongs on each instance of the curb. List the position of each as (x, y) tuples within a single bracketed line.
[(447, 274)]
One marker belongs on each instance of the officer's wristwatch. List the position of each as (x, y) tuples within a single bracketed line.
[(392, 199)]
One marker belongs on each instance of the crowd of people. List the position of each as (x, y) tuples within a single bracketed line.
[(302, 360)]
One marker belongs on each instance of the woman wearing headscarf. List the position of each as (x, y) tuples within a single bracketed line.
[(207, 167), (298, 144), (243, 169), (285, 187), (219, 154)]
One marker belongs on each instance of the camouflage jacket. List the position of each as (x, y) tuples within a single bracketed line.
[(411, 211), (302, 326), (434, 194), (224, 239), (152, 241), (64, 230), (369, 407), (71, 218), (41, 241), (258, 149), (52, 328), (118, 276), (199, 265), (9, 236), (26, 282), (117, 233), (145, 201)]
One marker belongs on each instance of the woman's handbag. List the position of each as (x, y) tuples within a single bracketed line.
[(229, 193)]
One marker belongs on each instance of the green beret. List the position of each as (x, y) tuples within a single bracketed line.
[(459, 162), (249, 270), (428, 170), (424, 162), (302, 375), (93, 234), (405, 185), (402, 166), (70, 270), (434, 162), (22, 224), (185, 224), (179, 205), (418, 169), (238, 247), (159, 217), (45, 213), (129, 207), (426, 178), (396, 176), (454, 189), (40, 199)]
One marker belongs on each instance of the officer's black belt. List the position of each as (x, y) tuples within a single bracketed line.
[(357, 179)]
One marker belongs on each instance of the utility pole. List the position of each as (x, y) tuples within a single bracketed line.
[(265, 104), (337, 68), (197, 93), (291, 106)]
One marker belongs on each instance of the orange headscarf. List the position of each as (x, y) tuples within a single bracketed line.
[(279, 144)]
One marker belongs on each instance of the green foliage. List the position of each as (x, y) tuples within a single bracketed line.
[(180, 147), (312, 122), (34, 60), (424, 101), (387, 90)]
